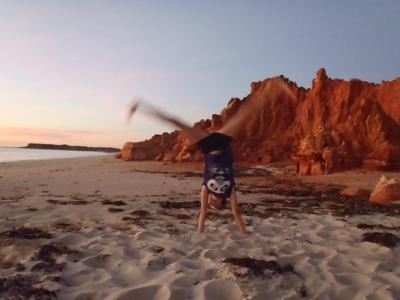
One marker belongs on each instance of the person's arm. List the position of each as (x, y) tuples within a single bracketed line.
[(270, 90), (194, 134), (236, 212), (203, 208)]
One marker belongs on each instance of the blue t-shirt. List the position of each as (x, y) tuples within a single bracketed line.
[(218, 172)]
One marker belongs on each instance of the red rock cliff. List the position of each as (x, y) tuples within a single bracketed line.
[(335, 125)]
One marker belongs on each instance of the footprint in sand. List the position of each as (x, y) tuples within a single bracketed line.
[(184, 282), (127, 275), (150, 236), (215, 253), (197, 264), (180, 294), (354, 280), (194, 253), (221, 290), (104, 261), (158, 263), (340, 292), (86, 295), (154, 292), (82, 277), (392, 279)]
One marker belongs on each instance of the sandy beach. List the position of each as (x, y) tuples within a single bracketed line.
[(100, 228)]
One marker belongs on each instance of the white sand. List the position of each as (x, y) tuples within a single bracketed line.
[(163, 257)]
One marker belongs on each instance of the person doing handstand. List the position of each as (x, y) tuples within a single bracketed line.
[(218, 180)]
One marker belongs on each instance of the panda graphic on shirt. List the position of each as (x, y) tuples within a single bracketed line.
[(219, 182)]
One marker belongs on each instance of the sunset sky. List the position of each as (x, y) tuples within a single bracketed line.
[(68, 69)]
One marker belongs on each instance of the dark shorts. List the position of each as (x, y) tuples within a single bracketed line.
[(214, 141)]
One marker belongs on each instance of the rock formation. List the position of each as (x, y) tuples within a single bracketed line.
[(335, 125), (386, 191), (355, 193)]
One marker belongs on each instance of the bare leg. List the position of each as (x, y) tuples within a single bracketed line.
[(236, 213), (203, 208), (272, 89), (194, 134)]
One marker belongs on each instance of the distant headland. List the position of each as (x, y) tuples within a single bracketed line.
[(72, 148)]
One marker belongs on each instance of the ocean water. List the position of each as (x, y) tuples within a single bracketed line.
[(17, 154)]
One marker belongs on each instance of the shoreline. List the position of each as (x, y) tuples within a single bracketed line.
[(14, 154), (52, 159)]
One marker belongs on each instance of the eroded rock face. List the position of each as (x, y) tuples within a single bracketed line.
[(335, 125), (350, 124), (386, 191)]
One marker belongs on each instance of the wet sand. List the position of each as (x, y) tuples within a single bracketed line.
[(100, 228)]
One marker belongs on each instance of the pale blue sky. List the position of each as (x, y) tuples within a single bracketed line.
[(68, 69)]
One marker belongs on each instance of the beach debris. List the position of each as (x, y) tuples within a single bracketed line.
[(26, 233), (377, 226), (79, 202), (179, 204), (141, 213), (50, 252), (12, 198), (133, 220), (21, 287), (184, 217), (115, 209), (250, 269), (24, 286), (184, 175), (113, 202), (48, 267), (67, 226), (292, 192), (171, 229), (258, 267), (47, 257), (68, 202), (20, 267), (386, 191), (317, 199), (31, 209), (303, 291), (382, 238), (138, 217)]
